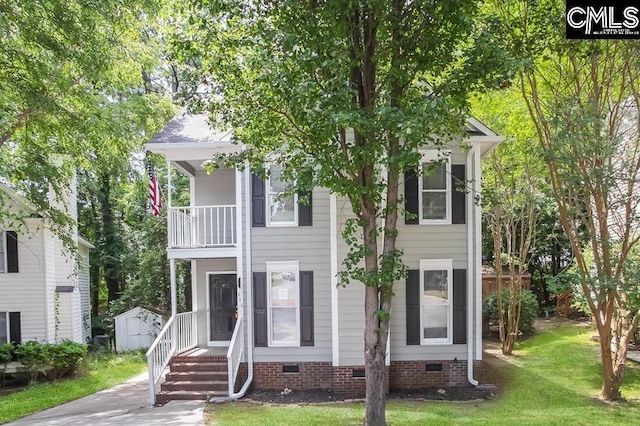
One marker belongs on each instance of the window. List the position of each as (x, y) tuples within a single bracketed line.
[(282, 210), (4, 328), (283, 302), (3, 252), (435, 301), (434, 190)]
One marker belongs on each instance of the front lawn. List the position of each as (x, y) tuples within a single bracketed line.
[(102, 372), (554, 379)]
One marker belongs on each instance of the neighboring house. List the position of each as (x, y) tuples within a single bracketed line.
[(264, 285), (44, 292)]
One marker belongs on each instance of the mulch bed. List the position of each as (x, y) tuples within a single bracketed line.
[(492, 368), (319, 396)]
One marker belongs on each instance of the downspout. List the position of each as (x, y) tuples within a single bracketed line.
[(248, 285), (478, 257), (471, 264)]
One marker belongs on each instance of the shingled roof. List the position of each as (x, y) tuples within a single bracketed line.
[(186, 128)]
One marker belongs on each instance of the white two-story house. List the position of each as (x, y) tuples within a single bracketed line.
[(44, 287), (267, 311)]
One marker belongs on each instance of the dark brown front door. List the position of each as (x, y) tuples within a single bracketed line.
[(222, 306)]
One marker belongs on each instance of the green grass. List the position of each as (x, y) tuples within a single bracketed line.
[(554, 379), (101, 372)]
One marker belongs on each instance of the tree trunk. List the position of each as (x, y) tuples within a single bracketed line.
[(374, 356), (110, 247), (95, 261), (611, 378)]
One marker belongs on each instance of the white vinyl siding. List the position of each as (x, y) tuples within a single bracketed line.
[(434, 188), (25, 292), (310, 247), (84, 290)]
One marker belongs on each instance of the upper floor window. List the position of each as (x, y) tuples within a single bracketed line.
[(436, 288), (283, 280), (434, 190), (282, 209)]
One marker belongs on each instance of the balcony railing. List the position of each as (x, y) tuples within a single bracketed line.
[(202, 226)]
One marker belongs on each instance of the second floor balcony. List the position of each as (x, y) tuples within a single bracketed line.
[(202, 227)]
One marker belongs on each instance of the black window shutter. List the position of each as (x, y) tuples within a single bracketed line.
[(413, 307), (260, 309), (458, 194), (459, 306), (306, 308), (258, 201), (305, 211), (15, 335), (12, 251), (411, 196)]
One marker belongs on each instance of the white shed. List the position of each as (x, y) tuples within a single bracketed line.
[(137, 328)]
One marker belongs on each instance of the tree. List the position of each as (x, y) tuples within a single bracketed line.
[(63, 67), (510, 210), (583, 99), (341, 94), (513, 190)]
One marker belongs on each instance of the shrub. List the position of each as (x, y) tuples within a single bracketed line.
[(6, 353), (54, 360), (64, 358), (33, 356), (528, 313)]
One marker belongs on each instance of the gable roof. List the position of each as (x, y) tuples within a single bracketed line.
[(191, 137), (17, 198), (186, 128), (24, 203), (187, 131)]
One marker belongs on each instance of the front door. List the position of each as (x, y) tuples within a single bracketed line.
[(222, 306)]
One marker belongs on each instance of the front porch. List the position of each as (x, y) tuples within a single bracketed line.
[(196, 374), (179, 369)]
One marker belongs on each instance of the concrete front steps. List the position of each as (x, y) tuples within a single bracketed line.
[(195, 377)]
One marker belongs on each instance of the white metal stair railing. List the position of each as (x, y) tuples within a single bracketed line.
[(202, 226), (179, 334), (235, 354)]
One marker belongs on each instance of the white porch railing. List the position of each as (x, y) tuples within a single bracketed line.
[(235, 354), (178, 334), (202, 226)]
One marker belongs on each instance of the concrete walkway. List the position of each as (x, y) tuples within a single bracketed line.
[(123, 405)]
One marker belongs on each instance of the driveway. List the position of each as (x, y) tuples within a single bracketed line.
[(123, 405)]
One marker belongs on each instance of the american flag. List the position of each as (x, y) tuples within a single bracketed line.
[(154, 189)]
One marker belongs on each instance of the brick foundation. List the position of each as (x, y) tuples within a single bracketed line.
[(401, 375), (311, 375), (344, 382), (407, 375)]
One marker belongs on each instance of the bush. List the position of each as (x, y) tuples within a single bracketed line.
[(33, 357), (53, 360), (528, 313), (6, 353), (64, 358)]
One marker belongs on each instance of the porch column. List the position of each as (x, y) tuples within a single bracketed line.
[(174, 287)]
